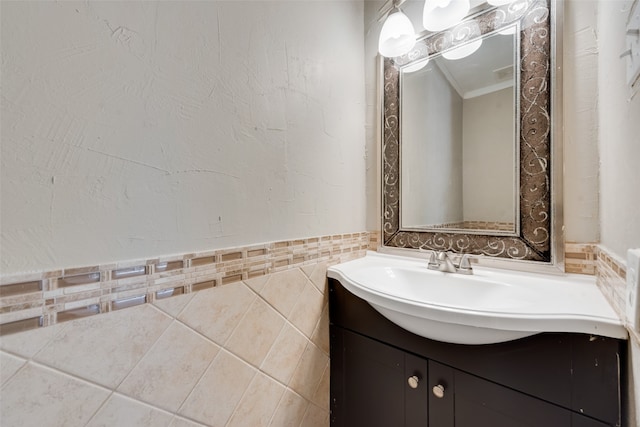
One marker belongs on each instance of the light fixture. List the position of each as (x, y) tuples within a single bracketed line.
[(397, 36), (463, 51), (499, 2), (439, 15)]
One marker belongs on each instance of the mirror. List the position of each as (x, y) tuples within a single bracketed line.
[(467, 163), (458, 127)]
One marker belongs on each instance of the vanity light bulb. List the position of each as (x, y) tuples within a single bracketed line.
[(463, 51), (499, 2), (397, 36), (439, 15)]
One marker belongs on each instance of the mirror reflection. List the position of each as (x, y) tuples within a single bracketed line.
[(459, 134)]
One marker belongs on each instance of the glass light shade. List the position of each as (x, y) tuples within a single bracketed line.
[(417, 66), (463, 51), (439, 15), (397, 36), (499, 2)]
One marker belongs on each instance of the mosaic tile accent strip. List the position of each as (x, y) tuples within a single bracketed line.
[(612, 279), (374, 240), (43, 299), (580, 258)]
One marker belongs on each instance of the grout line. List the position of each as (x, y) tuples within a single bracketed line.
[(102, 405), (24, 364), (244, 393), (151, 347), (195, 386), (68, 374)]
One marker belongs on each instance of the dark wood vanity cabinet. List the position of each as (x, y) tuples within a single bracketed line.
[(547, 380)]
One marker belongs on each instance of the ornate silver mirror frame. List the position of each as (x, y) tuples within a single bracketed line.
[(540, 153)]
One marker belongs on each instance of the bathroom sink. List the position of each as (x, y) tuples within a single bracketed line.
[(490, 306)]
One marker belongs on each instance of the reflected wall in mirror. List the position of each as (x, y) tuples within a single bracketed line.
[(458, 130), (491, 193)]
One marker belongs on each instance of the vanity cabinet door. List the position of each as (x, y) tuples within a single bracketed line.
[(370, 384), (480, 402)]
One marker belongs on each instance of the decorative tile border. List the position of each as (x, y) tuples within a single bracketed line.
[(374, 240), (41, 299), (610, 272), (580, 258), (612, 279)]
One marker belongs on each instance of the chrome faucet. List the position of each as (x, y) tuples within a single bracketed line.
[(442, 262)]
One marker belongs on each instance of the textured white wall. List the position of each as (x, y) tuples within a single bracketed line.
[(372, 114), (136, 129), (619, 134), (580, 138)]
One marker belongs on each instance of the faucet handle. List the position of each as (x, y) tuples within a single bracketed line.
[(432, 258), (464, 261), (431, 263), (464, 266)]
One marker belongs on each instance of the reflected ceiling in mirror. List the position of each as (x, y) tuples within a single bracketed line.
[(530, 237), (458, 132)]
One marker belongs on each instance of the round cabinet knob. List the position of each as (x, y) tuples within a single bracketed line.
[(438, 391), (413, 381)]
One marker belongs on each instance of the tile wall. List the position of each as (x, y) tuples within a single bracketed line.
[(234, 337), (612, 280), (610, 272), (229, 338)]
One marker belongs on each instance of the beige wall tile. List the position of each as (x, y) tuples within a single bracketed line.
[(9, 365), (258, 404), (285, 354), (171, 368), (317, 273), (257, 283), (28, 343), (320, 336), (216, 312), (306, 313), (183, 422), (222, 386), (173, 305), (38, 396), (290, 411), (283, 289), (256, 333), (315, 417), (309, 371), (122, 411), (105, 348), (321, 396)]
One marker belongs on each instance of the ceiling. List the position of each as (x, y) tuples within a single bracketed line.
[(487, 70)]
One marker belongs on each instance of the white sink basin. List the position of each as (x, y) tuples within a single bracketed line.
[(488, 307)]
